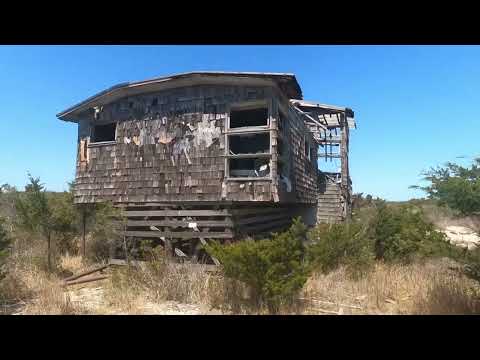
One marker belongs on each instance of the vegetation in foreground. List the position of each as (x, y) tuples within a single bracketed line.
[(388, 259)]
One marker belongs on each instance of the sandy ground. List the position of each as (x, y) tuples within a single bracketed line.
[(462, 236), (92, 298)]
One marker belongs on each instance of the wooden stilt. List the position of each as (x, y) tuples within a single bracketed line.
[(84, 230)]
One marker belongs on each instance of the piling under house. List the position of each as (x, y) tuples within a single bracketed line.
[(211, 155)]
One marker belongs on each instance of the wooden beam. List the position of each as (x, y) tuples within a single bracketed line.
[(84, 231), (257, 211), (134, 213), (180, 223), (310, 118), (248, 130), (245, 156), (180, 234), (261, 219), (332, 156)]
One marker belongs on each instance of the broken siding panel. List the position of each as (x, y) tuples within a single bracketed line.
[(168, 147), (302, 179)]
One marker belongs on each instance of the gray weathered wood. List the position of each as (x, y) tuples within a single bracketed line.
[(180, 234)]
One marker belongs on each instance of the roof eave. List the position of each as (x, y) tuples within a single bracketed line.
[(126, 85)]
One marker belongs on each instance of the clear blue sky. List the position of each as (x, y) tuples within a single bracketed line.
[(415, 105)]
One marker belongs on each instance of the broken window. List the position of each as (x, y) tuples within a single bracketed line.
[(253, 167), (249, 143), (103, 133), (248, 150), (249, 117)]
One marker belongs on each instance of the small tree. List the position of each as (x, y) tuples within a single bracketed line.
[(274, 269), (455, 186), (34, 214)]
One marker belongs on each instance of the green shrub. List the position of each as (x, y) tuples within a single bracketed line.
[(401, 233), (274, 269), (107, 221), (345, 244), (65, 219), (50, 215)]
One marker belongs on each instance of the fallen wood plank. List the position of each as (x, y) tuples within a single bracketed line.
[(74, 277), (81, 281)]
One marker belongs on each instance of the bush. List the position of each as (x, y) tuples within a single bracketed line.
[(104, 235), (274, 270), (341, 244), (52, 216), (401, 233)]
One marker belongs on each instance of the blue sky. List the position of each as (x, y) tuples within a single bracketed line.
[(415, 106)]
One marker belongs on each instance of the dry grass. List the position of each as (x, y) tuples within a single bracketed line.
[(71, 263), (131, 289), (434, 287), (38, 292), (50, 299), (429, 288), (29, 288)]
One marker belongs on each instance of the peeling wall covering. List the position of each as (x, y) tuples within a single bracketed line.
[(169, 147)]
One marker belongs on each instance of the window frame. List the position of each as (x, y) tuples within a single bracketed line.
[(102, 143), (248, 104)]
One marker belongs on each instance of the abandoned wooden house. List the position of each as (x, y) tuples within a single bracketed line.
[(211, 155)]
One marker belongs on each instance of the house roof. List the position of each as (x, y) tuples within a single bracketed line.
[(326, 114), (287, 83)]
